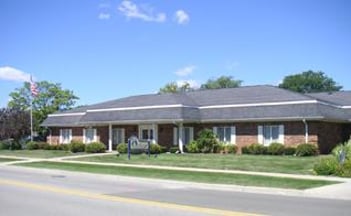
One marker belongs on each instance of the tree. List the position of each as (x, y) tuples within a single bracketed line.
[(221, 82), (310, 82), (14, 123), (173, 87), (50, 99)]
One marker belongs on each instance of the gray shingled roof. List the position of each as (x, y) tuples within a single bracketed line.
[(191, 107), (342, 98)]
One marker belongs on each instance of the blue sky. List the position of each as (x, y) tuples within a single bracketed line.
[(107, 49)]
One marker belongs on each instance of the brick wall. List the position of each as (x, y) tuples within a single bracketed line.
[(165, 135)]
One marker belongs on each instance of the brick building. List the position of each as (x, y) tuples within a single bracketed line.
[(241, 116)]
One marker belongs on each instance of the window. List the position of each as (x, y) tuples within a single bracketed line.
[(268, 134), (118, 136), (187, 135), (89, 135), (147, 132), (225, 134), (65, 136)]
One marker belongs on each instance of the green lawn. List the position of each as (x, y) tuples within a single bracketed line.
[(205, 177), (36, 153), (7, 160), (260, 163)]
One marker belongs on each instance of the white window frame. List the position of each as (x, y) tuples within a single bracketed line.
[(176, 135), (85, 139), (116, 132), (232, 134), (149, 127), (63, 132), (267, 142)]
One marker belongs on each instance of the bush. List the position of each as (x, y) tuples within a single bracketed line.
[(76, 146), (32, 145), (192, 147), (155, 149), (206, 141), (328, 166), (219, 148), (306, 149), (345, 148), (289, 150), (95, 147), (4, 145), (347, 168), (163, 149), (122, 148), (275, 149), (255, 149), (43, 145), (232, 149), (174, 149)]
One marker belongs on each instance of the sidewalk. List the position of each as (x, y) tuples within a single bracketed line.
[(335, 191)]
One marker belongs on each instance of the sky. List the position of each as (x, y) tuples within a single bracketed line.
[(109, 49)]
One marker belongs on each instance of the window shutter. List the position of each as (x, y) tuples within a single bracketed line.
[(84, 134), (122, 135), (191, 134), (260, 134), (232, 135), (95, 136), (281, 134), (175, 136), (61, 138), (215, 130)]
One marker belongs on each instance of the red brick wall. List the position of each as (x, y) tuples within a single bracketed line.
[(165, 135)]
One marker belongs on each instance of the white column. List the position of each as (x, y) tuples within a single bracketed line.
[(180, 140), (154, 129), (306, 130), (110, 137)]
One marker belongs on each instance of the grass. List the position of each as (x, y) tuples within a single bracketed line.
[(259, 163), (204, 177), (7, 160), (36, 153)]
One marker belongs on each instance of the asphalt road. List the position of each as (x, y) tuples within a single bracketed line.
[(47, 192)]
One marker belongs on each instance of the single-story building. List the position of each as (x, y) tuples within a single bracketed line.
[(242, 116)]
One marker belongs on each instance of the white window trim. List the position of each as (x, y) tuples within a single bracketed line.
[(176, 134), (61, 136), (149, 127), (122, 134), (260, 137), (232, 133), (85, 138)]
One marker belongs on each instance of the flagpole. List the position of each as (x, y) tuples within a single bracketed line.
[(31, 118)]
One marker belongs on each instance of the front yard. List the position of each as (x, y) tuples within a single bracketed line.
[(37, 153), (259, 163)]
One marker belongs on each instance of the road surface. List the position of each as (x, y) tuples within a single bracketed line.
[(26, 191)]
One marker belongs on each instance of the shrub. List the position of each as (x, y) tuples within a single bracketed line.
[(95, 147), (289, 150), (4, 145), (328, 166), (32, 145), (206, 141), (219, 148), (62, 147), (122, 148), (347, 168), (275, 149), (174, 149), (163, 149), (232, 149), (76, 146), (306, 149), (192, 147), (345, 148), (255, 149), (43, 145), (155, 149)]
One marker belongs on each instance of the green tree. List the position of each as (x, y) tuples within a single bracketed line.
[(173, 87), (221, 82), (51, 98), (310, 82), (14, 123)]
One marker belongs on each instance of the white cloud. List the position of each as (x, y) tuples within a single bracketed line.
[(186, 71), (193, 83), (181, 17), (104, 16), (145, 13), (13, 74)]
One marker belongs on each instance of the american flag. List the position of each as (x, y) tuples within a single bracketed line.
[(33, 87)]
